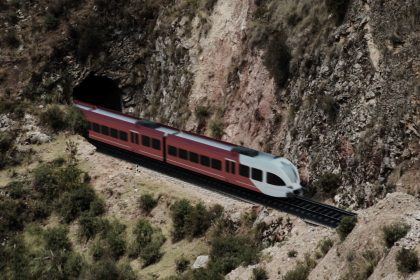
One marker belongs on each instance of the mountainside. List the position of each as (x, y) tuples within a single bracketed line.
[(332, 85)]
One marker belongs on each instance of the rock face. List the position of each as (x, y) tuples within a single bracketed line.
[(201, 262), (344, 101)]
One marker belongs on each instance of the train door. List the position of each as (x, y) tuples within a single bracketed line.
[(134, 139), (230, 170)]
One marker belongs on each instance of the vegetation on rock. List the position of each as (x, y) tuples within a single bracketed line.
[(394, 232), (407, 260), (147, 202), (346, 226)]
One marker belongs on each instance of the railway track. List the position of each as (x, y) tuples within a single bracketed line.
[(311, 211)]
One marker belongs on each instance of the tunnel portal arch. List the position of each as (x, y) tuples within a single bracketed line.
[(99, 90)]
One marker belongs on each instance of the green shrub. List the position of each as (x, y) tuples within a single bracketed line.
[(394, 232), (97, 207), (329, 106), (328, 183), (73, 266), (407, 260), (53, 179), (228, 252), (16, 190), (12, 215), (47, 181), (292, 254), (198, 221), (325, 245), (147, 202), (116, 244), (76, 121), (104, 270), (9, 155), (191, 221), (151, 253), (75, 201), (301, 270), (346, 226), (277, 58), (126, 272), (98, 249), (107, 269), (179, 213), (216, 212), (147, 242), (56, 10), (181, 264), (111, 243), (6, 141), (338, 8), (10, 39), (54, 117), (259, 273), (202, 113), (14, 259), (216, 128), (38, 209), (56, 239), (89, 226), (114, 237)]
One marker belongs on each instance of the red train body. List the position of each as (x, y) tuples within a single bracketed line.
[(257, 171)]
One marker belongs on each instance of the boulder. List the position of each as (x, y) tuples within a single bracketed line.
[(37, 137), (201, 262)]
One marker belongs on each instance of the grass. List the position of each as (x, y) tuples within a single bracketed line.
[(362, 265), (173, 251)]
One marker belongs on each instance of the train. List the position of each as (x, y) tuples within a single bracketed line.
[(243, 167)]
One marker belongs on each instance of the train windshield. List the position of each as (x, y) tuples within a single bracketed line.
[(275, 180), (290, 172)]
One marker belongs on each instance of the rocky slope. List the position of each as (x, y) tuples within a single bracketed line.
[(335, 89)]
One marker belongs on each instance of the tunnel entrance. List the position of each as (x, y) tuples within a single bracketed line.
[(100, 91)]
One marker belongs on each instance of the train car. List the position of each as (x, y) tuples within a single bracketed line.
[(244, 167)]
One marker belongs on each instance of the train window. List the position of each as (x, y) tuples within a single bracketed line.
[(145, 140), (114, 133), (155, 144), (134, 137), (216, 164), (257, 174), (123, 136), (104, 130), (193, 157), (274, 180), (95, 127), (232, 167), (183, 154), (204, 160), (227, 166), (90, 125), (244, 170), (172, 151)]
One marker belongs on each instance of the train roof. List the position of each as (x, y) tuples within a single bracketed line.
[(205, 141), (178, 133)]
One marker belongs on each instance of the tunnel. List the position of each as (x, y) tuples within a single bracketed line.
[(99, 90)]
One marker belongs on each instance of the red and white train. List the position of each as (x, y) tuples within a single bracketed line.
[(244, 167)]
